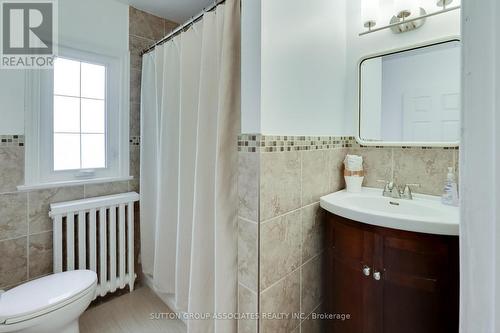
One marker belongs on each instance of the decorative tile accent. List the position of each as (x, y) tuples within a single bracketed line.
[(11, 140), (253, 143), (135, 141), (269, 143)]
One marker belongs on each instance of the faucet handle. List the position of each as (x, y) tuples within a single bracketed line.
[(389, 188), (407, 193)]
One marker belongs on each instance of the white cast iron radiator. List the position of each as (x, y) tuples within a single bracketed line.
[(96, 234)]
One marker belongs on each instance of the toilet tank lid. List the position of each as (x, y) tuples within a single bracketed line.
[(45, 293)]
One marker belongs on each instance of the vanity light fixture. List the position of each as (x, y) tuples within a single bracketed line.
[(369, 13), (405, 10), (408, 15)]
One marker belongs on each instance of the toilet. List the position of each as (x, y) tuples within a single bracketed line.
[(51, 304)]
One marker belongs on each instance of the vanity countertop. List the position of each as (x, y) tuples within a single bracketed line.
[(425, 213)]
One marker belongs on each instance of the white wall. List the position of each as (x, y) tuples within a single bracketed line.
[(303, 66), (293, 56), (99, 26), (11, 101), (251, 66)]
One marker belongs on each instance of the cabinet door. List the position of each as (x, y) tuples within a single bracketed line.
[(419, 284), (349, 250)]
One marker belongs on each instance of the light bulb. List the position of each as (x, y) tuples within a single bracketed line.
[(443, 3), (404, 8), (369, 12)]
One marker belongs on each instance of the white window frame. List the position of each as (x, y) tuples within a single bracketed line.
[(39, 159)]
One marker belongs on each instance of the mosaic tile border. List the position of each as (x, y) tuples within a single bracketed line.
[(12, 140), (135, 141), (252, 143), (270, 143), (16, 140)]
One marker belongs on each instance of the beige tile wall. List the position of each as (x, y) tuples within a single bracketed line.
[(25, 227), (248, 239), (280, 225), (280, 233), (290, 232), (427, 167)]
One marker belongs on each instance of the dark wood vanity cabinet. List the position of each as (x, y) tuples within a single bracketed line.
[(389, 281)]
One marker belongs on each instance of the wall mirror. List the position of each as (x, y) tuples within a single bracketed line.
[(411, 97)]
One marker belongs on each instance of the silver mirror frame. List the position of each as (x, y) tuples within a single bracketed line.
[(358, 114)]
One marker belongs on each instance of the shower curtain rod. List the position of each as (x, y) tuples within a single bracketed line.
[(184, 26)]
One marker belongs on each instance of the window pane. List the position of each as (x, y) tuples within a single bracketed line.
[(66, 151), (93, 81), (66, 77), (92, 116), (93, 151), (66, 114)]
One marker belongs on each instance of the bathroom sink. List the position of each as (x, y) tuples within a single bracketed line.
[(425, 213)]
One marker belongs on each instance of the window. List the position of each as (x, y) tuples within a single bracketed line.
[(78, 129), (79, 115)]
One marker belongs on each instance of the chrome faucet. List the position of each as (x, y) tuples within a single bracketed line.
[(391, 190)]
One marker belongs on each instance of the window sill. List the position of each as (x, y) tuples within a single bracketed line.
[(43, 186)]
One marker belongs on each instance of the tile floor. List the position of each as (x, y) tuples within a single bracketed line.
[(129, 313)]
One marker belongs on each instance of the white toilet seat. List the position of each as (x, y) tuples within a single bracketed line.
[(31, 302), (41, 312)]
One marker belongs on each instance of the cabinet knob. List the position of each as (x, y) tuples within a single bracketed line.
[(366, 270), (377, 276)]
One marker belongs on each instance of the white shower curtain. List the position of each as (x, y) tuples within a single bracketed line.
[(190, 121)]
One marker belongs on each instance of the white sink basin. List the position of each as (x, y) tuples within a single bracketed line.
[(424, 213)]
